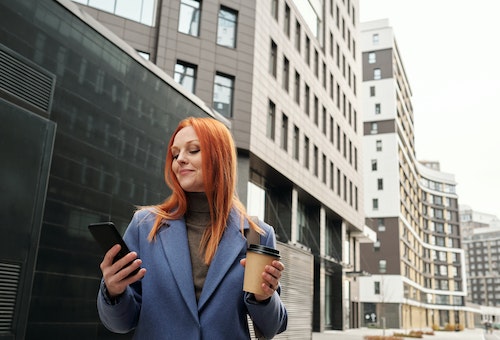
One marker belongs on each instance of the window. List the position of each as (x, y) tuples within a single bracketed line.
[(287, 20), (374, 165), (331, 129), (145, 55), (296, 136), (332, 86), (377, 109), (316, 63), (372, 91), (338, 54), (316, 161), (375, 39), (271, 120), (350, 194), (185, 74), (306, 152), (376, 287), (140, 11), (307, 97), (273, 59), (350, 152), (274, 9), (308, 51), (323, 121), (338, 137), (226, 29), (382, 266), (344, 145), (380, 184), (331, 175), (297, 35), (223, 94), (374, 128), (337, 16), (331, 44), (375, 204), (378, 145), (286, 74), (372, 58), (355, 158), (316, 111), (343, 65), (323, 168), (297, 87), (323, 74), (189, 17), (338, 182), (377, 74), (381, 224), (284, 132)]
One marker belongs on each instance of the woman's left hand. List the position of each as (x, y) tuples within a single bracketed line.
[(271, 276)]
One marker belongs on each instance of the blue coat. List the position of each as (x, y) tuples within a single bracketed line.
[(163, 304)]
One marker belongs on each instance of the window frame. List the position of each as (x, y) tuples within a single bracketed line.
[(186, 4), (223, 86), (220, 19), (187, 66)]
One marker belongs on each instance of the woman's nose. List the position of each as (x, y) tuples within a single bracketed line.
[(181, 158)]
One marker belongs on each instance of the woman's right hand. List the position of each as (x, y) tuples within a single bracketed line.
[(116, 275)]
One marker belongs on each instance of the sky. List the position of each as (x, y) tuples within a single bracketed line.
[(450, 51)]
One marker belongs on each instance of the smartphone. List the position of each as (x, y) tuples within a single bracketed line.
[(106, 234)]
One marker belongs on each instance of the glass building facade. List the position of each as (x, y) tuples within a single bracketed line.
[(85, 123)]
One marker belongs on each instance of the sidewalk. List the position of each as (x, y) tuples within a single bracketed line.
[(359, 333)]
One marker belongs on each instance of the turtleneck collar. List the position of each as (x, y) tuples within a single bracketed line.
[(197, 202)]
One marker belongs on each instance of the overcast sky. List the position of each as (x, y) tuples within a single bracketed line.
[(451, 54)]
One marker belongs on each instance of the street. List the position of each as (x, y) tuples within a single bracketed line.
[(358, 334)]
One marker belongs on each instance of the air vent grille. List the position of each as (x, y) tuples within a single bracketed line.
[(25, 82), (9, 284)]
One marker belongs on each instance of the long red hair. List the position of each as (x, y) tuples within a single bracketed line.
[(218, 156)]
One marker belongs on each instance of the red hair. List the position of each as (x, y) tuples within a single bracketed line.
[(218, 156)]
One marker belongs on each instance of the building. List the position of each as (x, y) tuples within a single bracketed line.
[(84, 126), (481, 243), (417, 264), (284, 75), (471, 219)]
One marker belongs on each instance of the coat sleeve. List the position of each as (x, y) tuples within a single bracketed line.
[(269, 316), (122, 314), (118, 316)]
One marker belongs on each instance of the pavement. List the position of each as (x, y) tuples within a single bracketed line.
[(360, 333)]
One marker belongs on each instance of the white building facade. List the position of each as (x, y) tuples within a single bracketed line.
[(417, 265)]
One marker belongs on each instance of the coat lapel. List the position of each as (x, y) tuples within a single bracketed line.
[(175, 245), (229, 248)]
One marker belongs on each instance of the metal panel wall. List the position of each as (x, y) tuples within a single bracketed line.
[(297, 291)]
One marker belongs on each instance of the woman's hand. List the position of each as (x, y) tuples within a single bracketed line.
[(271, 276), (116, 275)]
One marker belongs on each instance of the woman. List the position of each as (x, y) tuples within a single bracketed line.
[(191, 251)]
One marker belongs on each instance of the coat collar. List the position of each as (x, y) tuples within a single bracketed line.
[(174, 241)]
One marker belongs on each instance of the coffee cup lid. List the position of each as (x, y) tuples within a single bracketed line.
[(258, 248)]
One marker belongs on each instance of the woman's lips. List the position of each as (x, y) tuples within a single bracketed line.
[(185, 172)]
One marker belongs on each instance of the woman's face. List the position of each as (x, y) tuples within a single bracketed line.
[(186, 164)]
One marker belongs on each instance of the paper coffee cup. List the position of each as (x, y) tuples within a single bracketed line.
[(258, 256)]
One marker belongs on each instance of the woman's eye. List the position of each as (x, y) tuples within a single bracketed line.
[(194, 151), (175, 156)]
